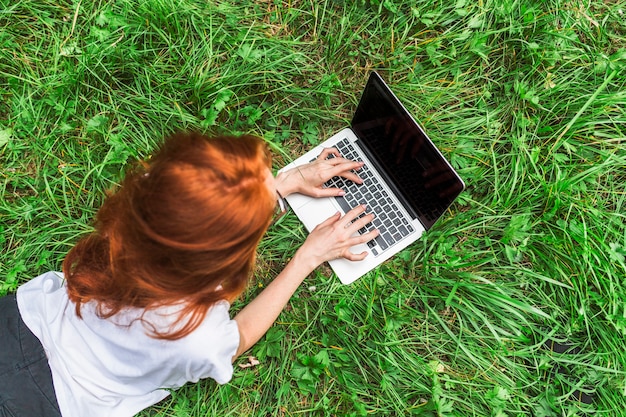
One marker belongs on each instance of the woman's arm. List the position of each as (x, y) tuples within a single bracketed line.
[(331, 239)]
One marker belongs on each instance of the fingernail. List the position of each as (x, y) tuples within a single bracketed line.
[(342, 192)]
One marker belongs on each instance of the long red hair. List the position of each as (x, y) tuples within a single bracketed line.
[(183, 230)]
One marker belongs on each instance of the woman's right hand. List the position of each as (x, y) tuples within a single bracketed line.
[(333, 238)]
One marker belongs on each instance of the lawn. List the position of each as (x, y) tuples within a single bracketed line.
[(526, 98)]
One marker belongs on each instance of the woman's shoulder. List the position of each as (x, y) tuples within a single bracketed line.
[(47, 282), (33, 295)]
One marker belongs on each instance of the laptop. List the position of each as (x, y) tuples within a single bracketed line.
[(408, 184)]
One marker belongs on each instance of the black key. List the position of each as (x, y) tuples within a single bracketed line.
[(343, 204), (350, 198), (381, 242)]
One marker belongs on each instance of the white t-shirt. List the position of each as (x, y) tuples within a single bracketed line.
[(111, 367)]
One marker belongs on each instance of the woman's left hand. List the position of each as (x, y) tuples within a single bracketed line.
[(334, 238), (309, 179)]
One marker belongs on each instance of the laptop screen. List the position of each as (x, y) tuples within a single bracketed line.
[(424, 178)]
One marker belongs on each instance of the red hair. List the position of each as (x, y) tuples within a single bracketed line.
[(183, 232)]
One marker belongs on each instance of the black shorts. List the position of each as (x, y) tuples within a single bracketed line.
[(26, 388)]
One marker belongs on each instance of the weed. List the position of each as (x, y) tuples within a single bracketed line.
[(527, 100)]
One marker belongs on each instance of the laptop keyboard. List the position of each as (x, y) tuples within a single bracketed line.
[(388, 218)]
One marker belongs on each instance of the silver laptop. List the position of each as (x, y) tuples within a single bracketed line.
[(408, 184)]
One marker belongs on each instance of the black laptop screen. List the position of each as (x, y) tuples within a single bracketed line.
[(423, 177)]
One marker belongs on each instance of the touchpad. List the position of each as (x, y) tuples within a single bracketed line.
[(315, 212)]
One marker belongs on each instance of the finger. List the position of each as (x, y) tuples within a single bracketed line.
[(346, 170), (353, 225), (351, 176), (359, 223), (329, 221), (329, 192), (355, 256), (337, 160), (357, 240), (354, 213), (328, 151), (364, 238), (341, 163)]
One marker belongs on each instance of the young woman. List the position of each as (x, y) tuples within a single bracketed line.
[(142, 304)]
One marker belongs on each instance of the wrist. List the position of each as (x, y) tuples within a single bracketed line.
[(283, 183), (304, 263)]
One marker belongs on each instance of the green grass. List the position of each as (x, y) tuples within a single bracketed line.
[(525, 97)]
